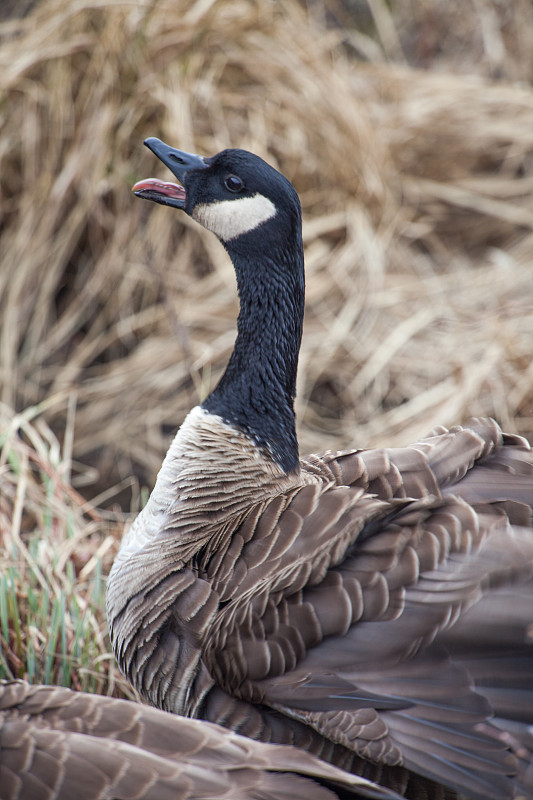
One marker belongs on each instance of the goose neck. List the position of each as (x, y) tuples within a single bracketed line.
[(256, 392)]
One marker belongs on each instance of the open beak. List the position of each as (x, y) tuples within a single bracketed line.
[(179, 162)]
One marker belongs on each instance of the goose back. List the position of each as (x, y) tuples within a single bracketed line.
[(342, 600)]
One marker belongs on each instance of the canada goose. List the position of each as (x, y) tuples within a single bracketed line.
[(56, 744), (370, 606)]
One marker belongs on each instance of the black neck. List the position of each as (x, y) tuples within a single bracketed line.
[(256, 392)]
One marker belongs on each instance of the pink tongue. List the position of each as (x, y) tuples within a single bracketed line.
[(168, 189)]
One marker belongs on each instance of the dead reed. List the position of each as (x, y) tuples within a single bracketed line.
[(411, 145), (55, 550)]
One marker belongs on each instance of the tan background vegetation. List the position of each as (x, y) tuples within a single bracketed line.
[(408, 132)]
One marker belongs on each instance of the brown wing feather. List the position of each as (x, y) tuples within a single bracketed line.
[(326, 601), (59, 744), (428, 566)]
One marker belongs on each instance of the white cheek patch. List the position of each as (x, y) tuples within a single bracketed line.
[(231, 218)]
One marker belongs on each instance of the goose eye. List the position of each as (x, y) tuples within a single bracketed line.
[(233, 183)]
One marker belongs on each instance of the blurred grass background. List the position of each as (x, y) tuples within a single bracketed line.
[(407, 129)]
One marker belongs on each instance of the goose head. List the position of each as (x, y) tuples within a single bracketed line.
[(256, 213), (232, 194)]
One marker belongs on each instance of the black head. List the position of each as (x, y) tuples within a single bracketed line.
[(232, 194)]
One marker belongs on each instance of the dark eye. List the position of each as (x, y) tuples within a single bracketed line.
[(233, 183)]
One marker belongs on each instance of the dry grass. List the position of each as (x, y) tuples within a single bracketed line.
[(56, 548), (415, 169)]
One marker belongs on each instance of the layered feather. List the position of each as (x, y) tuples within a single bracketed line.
[(332, 599), (56, 744)]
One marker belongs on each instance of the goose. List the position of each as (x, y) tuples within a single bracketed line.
[(59, 744), (374, 607)]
